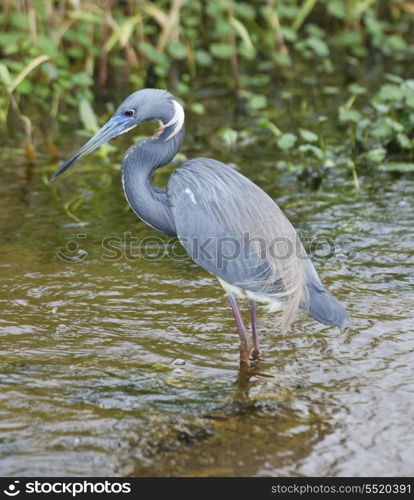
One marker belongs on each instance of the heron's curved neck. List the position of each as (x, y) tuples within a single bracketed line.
[(140, 161)]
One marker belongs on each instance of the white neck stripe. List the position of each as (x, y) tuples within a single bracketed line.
[(178, 119)]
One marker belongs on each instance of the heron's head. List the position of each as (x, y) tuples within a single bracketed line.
[(141, 106)]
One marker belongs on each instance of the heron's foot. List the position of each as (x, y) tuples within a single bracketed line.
[(255, 354)]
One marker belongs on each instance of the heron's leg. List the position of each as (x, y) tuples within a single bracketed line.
[(255, 335), (244, 341)]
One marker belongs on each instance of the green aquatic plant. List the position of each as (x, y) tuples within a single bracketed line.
[(54, 55), (383, 126)]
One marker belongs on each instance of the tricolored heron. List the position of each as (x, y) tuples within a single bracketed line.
[(226, 223)]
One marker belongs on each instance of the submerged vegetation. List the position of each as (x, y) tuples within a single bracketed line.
[(57, 55)]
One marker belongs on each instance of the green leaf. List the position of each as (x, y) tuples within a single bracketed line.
[(203, 58), (393, 78), (362, 6), (376, 155), (25, 87), (356, 89), (318, 46), (404, 141), (409, 101), (381, 129), (394, 124), (315, 30), (257, 101), (286, 141), (5, 75), (82, 79), (266, 123), (337, 9), (381, 108), (221, 50), (246, 52), (391, 92), (396, 166), (153, 54), (330, 90), (350, 115), (197, 108), (288, 34), (177, 50), (395, 43), (244, 10), (309, 148), (228, 136), (307, 135)]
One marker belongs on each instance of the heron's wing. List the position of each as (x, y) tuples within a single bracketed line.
[(222, 219), (217, 214)]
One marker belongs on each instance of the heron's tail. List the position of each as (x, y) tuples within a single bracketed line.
[(325, 308)]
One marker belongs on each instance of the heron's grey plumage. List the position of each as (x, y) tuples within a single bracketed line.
[(227, 224), (321, 305), (233, 229)]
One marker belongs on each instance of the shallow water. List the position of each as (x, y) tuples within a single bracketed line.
[(129, 365)]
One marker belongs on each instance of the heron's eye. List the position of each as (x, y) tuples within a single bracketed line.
[(129, 112)]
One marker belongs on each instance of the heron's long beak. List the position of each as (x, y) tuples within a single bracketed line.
[(115, 126)]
